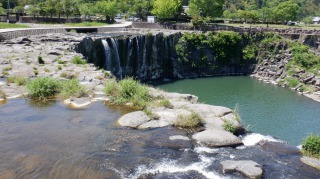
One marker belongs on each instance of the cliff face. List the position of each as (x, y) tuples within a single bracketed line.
[(156, 55)]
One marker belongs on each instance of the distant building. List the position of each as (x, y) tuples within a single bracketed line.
[(316, 20), (151, 19)]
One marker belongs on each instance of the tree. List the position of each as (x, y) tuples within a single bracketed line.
[(34, 10), (265, 14), (2, 10), (286, 11), (166, 9), (141, 8), (108, 9), (67, 6), (86, 9), (206, 8), (18, 9), (49, 7)]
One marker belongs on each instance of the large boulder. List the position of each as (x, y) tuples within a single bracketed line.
[(217, 138), (133, 119), (248, 168)]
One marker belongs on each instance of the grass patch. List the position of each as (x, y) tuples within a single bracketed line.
[(43, 88), (188, 121), (72, 88), (166, 103), (150, 114), (229, 126), (61, 62), (19, 80), (128, 91), (47, 70), (7, 68), (67, 75), (311, 146), (86, 24), (78, 60), (292, 82), (59, 67), (5, 73), (8, 26)]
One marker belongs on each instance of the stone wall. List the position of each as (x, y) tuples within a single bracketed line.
[(28, 32)]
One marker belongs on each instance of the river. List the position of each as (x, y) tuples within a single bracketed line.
[(264, 108)]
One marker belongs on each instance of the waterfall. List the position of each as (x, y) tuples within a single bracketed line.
[(117, 58), (107, 53), (112, 59)]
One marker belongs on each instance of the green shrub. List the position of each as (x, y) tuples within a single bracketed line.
[(7, 68), (40, 60), (128, 91), (19, 80), (36, 72), (311, 145), (188, 121), (166, 103), (72, 88), (5, 73), (78, 60), (229, 126), (43, 88), (249, 52), (292, 82), (59, 67)]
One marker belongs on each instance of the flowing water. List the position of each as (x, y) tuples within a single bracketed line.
[(267, 109), (53, 141)]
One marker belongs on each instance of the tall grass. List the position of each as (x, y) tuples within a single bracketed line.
[(72, 88), (128, 91), (78, 60), (43, 88), (188, 121), (19, 80)]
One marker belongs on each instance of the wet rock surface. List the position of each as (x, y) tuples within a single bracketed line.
[(248, 168)]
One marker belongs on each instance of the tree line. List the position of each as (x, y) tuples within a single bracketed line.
[(199, 10)]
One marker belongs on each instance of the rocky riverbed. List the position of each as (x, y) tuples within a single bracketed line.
[(20, 57)]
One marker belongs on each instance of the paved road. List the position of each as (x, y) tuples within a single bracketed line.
[(48, 26)]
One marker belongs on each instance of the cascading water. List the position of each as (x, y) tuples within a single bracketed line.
[(117, 58), (107, 53)]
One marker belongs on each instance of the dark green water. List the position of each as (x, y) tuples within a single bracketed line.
[(266, 108)]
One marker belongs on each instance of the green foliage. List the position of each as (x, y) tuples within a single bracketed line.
[(292, 82), (166, 103), (166, 9), (229, 126), (47, 70), (249, 52), (207, 8), (128, 91), (78, 60), (59, 67), (43, 88), (19, 80), (18, 9), (72, 88), (224, 44), (5, 73), (61, 61), (107, 8), (311, 145), (188, 121), (2, 10), (40, 60), (286, 11)]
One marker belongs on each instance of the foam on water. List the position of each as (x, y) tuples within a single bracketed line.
[(173, 166), (254, 138)]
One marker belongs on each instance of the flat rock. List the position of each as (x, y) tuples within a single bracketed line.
[(249, 168), (217, 138), (133, 119), (311, 161), (77, 102)]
